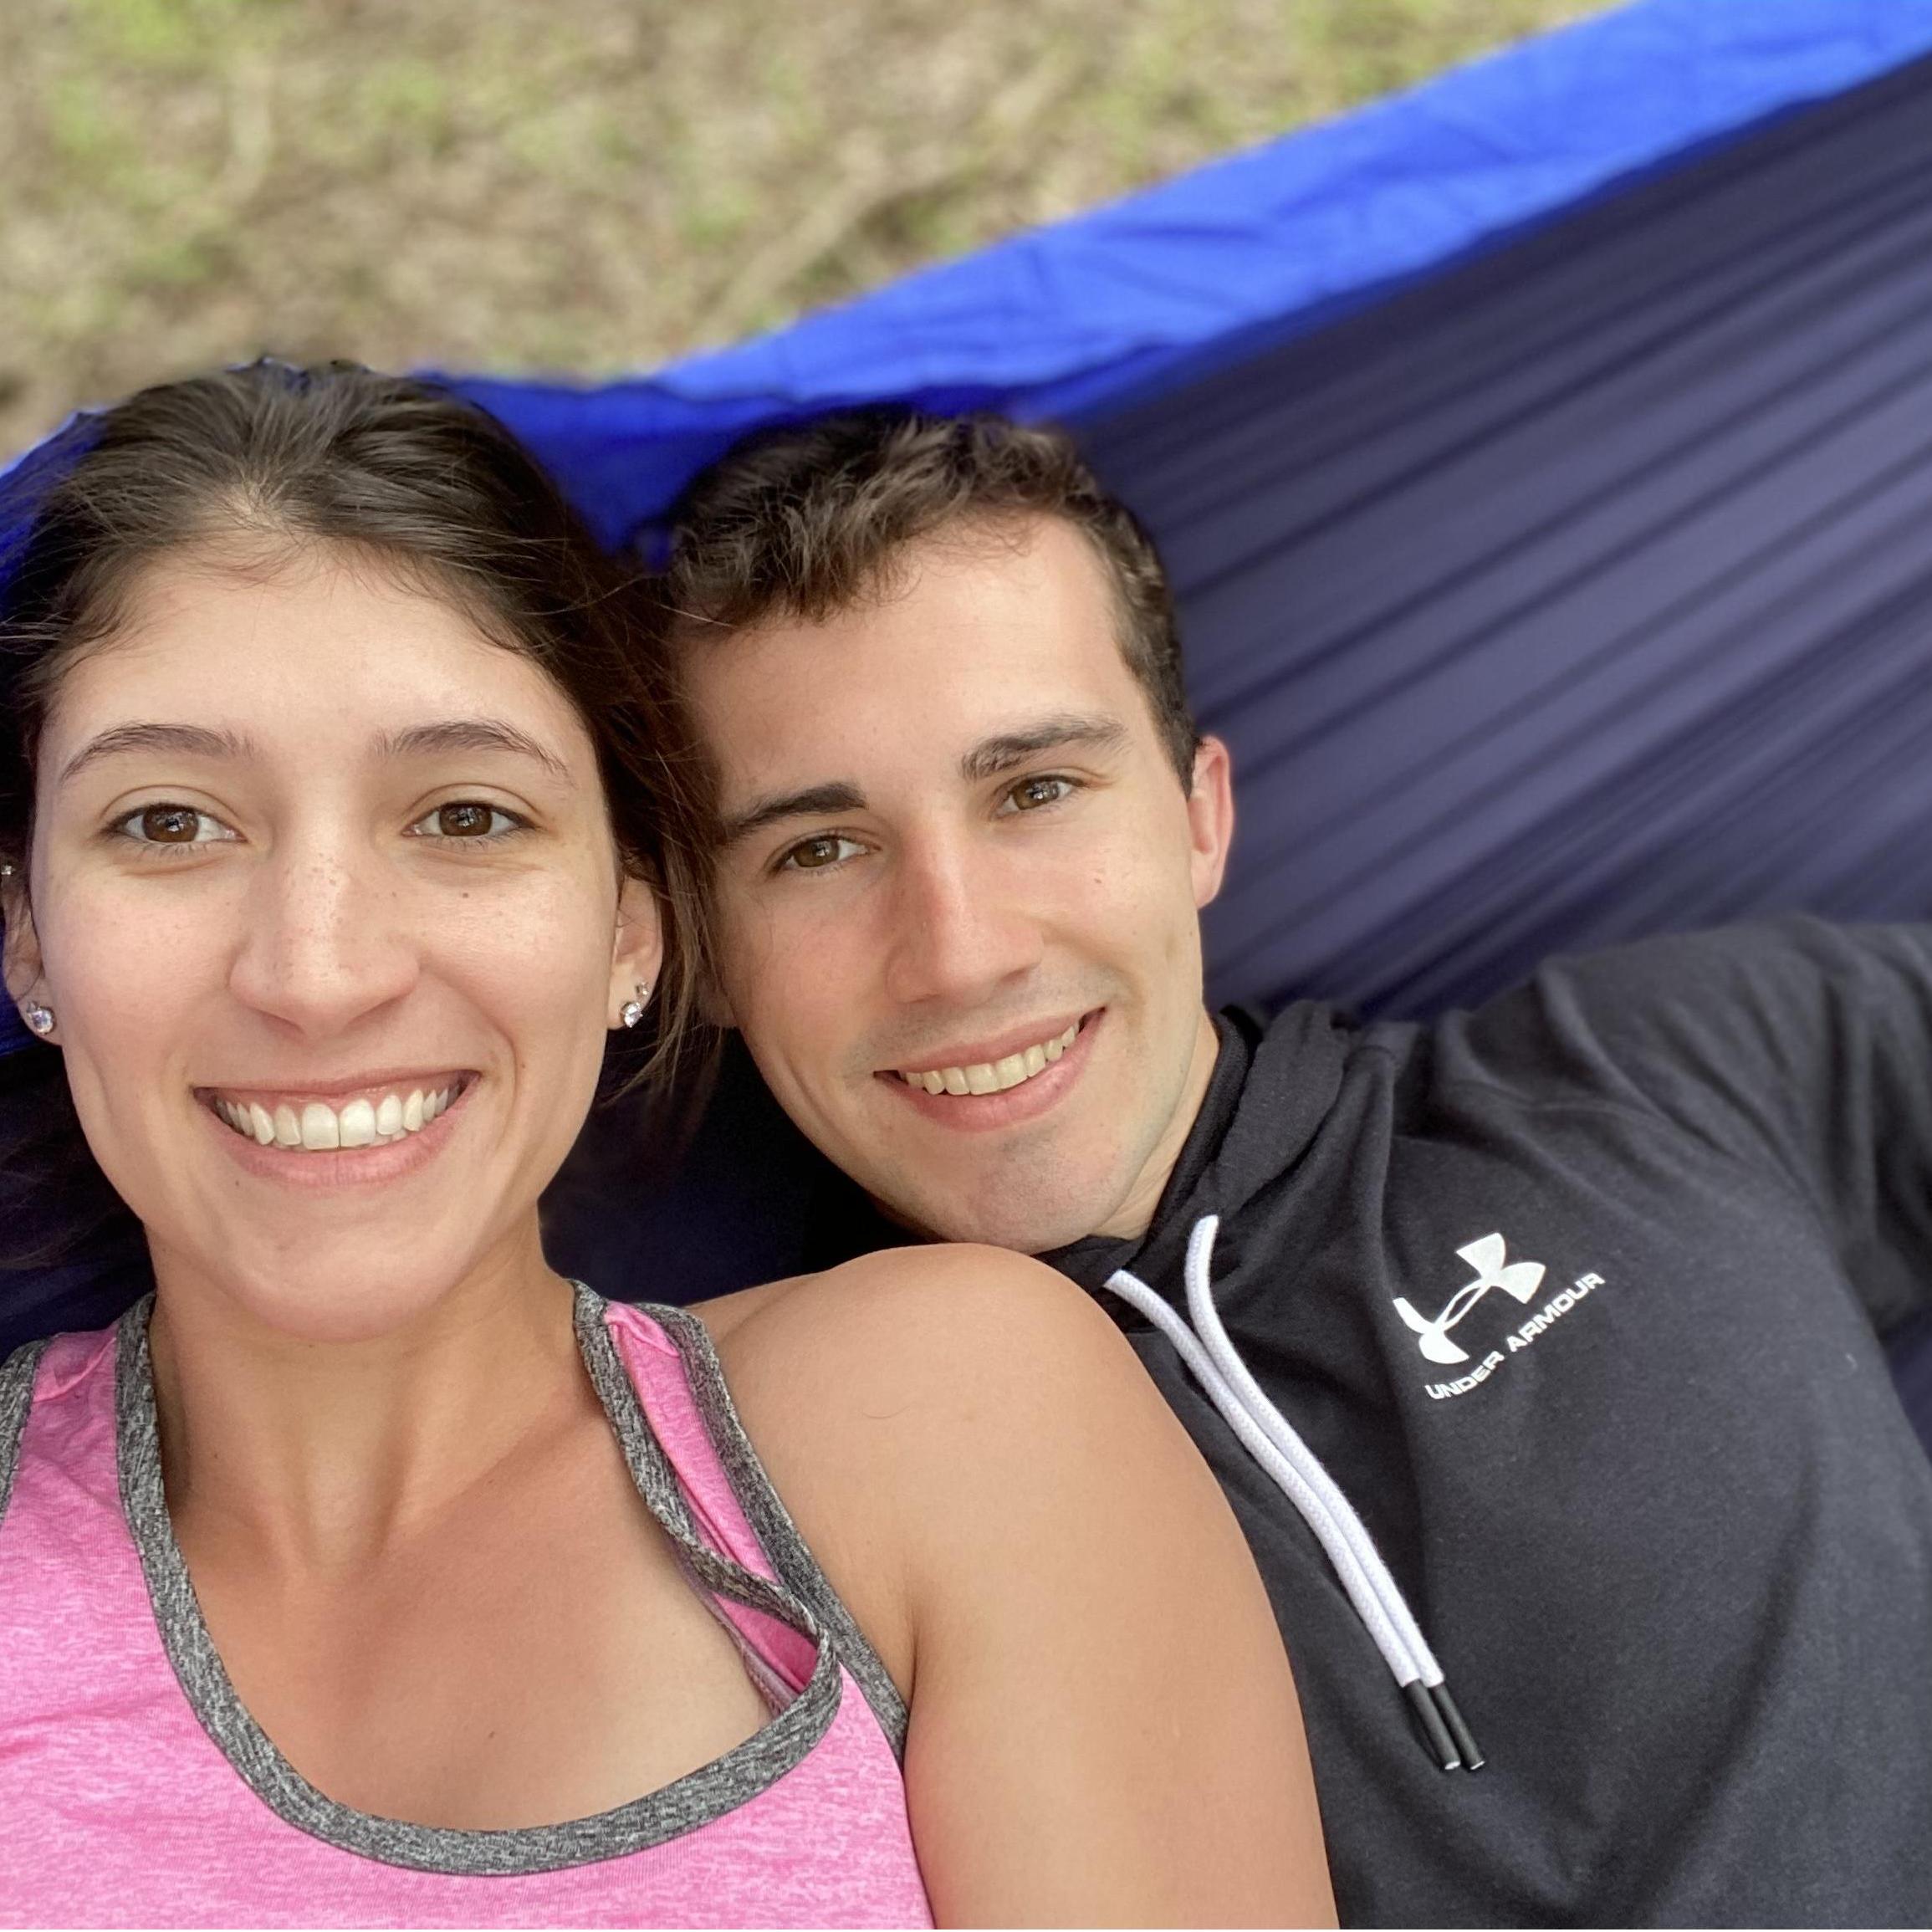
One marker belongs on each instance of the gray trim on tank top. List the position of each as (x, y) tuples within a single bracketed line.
[(710, 1792), (772, 1523), (17, 1374)]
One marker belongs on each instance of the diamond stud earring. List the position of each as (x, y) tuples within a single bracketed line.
[(631, 1013), (38, 1017)]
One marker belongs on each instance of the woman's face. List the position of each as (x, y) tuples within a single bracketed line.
[(314, 862)]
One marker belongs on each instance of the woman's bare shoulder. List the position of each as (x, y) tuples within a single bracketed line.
[(904, 1398), (917, 1379), (949, 1311)]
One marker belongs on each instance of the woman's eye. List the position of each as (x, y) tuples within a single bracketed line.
[(1030, 794), (172, 824), (466, 819), (814, 855)]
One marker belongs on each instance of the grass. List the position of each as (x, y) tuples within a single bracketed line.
[(596, 185)]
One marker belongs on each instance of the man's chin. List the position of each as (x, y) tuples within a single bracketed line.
[(1031, 1221)]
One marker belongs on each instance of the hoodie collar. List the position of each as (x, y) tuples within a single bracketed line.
[(1271, 1090)]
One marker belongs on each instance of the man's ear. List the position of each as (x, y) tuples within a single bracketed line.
[(637, 952), (1210, 817)]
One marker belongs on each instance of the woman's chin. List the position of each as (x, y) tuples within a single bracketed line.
[(356, 1287)]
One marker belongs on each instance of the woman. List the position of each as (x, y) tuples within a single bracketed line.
[(374, 1574)]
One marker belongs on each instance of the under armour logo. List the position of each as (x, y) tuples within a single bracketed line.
[(1519, 1280)]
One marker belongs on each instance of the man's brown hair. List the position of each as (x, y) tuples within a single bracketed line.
[(806, 520)]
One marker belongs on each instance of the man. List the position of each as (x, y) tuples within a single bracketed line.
[(1537, 1347)]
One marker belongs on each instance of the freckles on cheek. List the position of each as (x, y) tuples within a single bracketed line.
[(115, 968), (533, 945)]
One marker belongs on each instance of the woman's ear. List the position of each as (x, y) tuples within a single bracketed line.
[(20, 958), (637, 952)]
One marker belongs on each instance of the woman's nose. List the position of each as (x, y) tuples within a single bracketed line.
[(328, 939)]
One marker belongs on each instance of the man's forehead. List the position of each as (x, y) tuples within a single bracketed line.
[(967, 642)]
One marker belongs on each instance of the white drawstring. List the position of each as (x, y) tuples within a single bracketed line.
[(1389, 1640), (1214, 1363), (1208, 1325)]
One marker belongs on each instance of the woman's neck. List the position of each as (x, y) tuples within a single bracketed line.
[(325, 1454)]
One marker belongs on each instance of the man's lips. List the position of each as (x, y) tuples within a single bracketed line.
[(1024, 1099), (994, 1066)]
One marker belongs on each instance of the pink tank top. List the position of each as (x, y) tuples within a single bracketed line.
[(135, 1790)]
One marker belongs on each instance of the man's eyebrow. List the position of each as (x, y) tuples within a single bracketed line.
[(992, 755), (814, 801), (189, 740), (986, 760), (470, 735)]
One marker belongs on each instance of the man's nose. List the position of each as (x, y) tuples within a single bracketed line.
[(960, 928), (326, 942)]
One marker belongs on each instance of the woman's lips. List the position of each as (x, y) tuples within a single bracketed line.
[(373, 1119), (384, 1156)]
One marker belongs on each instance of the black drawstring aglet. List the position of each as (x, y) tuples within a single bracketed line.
[(1450, 1741), (1472, 1755), (1442, 1746)]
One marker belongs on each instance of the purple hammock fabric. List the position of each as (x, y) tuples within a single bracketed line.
[(1578, 593), (1576, 590)]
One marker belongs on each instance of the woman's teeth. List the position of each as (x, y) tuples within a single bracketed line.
[(319, 1127), (994, 1076)]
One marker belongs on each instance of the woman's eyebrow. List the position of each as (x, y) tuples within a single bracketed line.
[(471, 734), (192, 740), (198, 741)]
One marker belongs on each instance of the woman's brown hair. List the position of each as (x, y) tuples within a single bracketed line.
[(273, 458)]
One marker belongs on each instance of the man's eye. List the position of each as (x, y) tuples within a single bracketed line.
[(814, 855), (466, 819), (172, 824), (1030, 794)]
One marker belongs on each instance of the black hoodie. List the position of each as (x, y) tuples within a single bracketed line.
[(1665, 1525)]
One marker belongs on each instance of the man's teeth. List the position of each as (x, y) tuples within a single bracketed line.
[(358, 1123), (993, 1076)]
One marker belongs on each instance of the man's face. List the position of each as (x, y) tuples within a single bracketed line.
[(956, 849)]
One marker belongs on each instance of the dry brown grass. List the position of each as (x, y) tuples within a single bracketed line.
[(588, 184)]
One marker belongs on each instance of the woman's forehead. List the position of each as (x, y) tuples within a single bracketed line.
[(317, 649)]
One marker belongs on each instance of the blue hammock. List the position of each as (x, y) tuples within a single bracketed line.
[(1540, 457), (1543, 458)]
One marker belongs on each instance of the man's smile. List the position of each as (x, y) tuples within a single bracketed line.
[(994, 1075), (1003, 1082)]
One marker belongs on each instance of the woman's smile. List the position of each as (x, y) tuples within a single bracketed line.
[(364, 1131), (372, 1113)]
